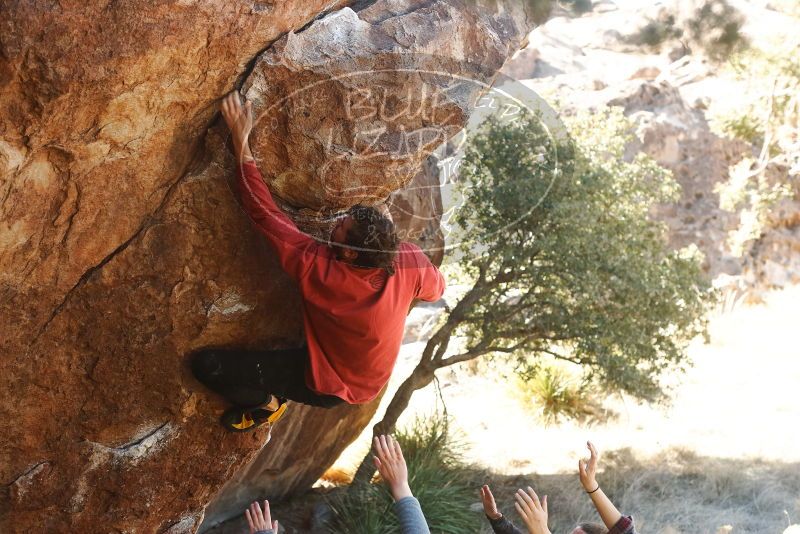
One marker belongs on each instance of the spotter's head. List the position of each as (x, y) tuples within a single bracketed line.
[(590, 528)]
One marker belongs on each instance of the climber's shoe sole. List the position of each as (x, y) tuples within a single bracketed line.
[(246, 419)]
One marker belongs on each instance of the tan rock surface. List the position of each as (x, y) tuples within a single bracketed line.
[(394, 82), (122, 247), (678, 137)]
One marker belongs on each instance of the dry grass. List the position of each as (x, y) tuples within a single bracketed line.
[(676, 492), (337, 476)]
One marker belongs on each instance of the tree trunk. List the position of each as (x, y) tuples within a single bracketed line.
[(419, 378)]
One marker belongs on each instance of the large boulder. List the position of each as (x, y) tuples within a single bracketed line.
[(349, 111), (123, 248)]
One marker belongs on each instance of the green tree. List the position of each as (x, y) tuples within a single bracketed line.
[(711, 26), (562, 261)]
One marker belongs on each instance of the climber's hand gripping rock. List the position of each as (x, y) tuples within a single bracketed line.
[(239, 119)]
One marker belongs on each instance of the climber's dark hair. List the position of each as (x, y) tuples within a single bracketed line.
[(373, 236), (592, 528)]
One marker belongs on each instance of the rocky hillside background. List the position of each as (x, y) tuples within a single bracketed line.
[(122, 246), (684, 71)]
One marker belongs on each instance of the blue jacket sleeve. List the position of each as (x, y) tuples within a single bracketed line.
[(409, 512)]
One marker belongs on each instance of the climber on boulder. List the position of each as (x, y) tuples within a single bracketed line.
[(356, 289)]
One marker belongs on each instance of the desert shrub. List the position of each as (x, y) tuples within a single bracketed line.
[(438, 479), (368, 510), (771, 102), (740, 125), (656, 31), (556, 394), (578, 6), (713, 26)]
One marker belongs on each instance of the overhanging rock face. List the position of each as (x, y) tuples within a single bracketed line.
[(350, 107), (122, 247)]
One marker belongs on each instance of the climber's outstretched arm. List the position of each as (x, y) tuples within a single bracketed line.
[(296, 250)]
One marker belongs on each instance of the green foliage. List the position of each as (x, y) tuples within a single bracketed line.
[(749, 191), (743, 126), (565, 259), (578, 6), (437, 478), (558, 394), (771, 100), (713, 26), (364, 510)]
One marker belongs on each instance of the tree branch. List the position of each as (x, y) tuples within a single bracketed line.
[(476, 351)]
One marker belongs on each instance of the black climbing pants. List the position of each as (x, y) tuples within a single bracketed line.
[(248, 377)]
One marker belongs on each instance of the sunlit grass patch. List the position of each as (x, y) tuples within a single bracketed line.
[(555, 394)]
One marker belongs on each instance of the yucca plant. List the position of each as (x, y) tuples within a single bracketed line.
[(437, 477), (558, 395)]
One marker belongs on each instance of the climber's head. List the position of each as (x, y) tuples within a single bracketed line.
[(365, 237)]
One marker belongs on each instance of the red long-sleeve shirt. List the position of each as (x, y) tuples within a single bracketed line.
[(354, 317)]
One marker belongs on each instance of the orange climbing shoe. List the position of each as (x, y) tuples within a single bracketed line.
[(246, 419)]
